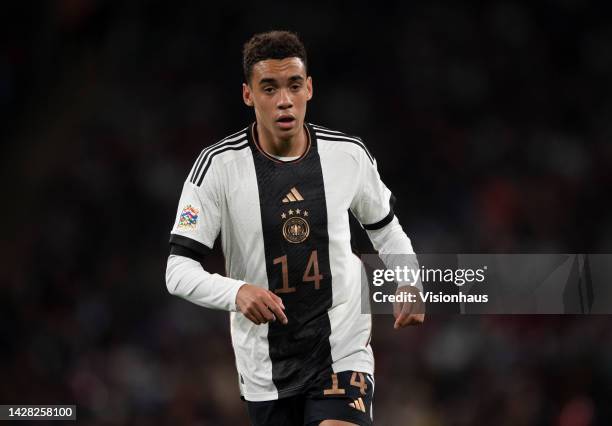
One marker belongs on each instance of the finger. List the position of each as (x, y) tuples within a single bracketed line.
[(397, 309), (414, 319), (408, 308), (410, 320), (276, 299), (265, 312), (257, 315), (252, 318), (417, 319), (399, 322), (401, 306), (278, 311)]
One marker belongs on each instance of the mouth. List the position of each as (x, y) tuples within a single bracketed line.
[(285, 121)]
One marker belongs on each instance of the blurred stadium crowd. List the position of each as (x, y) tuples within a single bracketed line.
[(490, 123)]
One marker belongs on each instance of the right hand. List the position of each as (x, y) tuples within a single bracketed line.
[(260, 305)]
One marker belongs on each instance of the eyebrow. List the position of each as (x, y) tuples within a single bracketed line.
[(273, 80)]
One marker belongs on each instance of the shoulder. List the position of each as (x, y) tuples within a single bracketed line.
[(336, 140), (227, 149)]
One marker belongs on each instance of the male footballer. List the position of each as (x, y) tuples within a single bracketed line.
[(280, 192)]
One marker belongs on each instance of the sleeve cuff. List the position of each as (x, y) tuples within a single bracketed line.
[(236, 285)]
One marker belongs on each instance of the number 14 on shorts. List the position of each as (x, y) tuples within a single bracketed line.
[(355, 387), (357, 380)]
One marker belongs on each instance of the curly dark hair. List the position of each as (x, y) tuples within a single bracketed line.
[(271, 45)]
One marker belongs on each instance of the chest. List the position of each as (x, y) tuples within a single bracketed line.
[(293, 198)]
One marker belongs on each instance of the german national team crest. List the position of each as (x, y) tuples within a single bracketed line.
[(295, 228), (189, 218)]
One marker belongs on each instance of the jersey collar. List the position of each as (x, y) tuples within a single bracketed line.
[(253, 140)]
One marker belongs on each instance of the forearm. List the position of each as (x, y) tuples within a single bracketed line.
[(395, 249), (187, 279)]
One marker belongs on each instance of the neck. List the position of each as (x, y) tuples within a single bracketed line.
[(290, 147)]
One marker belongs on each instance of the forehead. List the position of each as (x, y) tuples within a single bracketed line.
[(278, 68)]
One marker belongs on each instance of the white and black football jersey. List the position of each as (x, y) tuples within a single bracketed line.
[(284, 226)]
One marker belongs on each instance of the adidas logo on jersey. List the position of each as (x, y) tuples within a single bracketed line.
[(358, 405), (292, 196)]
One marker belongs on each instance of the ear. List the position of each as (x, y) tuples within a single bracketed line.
[(246, 95), (309, 87)]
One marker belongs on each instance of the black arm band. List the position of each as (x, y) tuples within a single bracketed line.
[(184, 246), (385, 220), (185, 252)]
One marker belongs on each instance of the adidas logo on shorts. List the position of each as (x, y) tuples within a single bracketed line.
[(358, 405)]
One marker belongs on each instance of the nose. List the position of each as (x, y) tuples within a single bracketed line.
[(284, 99)]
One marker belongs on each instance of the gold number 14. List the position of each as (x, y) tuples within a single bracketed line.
[(310, 274)]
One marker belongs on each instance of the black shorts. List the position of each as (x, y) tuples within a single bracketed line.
[(346, 395)]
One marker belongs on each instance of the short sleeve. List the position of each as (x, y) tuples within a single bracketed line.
[(373, 202), (198, 218)]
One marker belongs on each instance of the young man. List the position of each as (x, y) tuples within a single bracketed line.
[(279, 191)]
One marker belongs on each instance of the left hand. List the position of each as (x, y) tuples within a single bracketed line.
[(408, 313)]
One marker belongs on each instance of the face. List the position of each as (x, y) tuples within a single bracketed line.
[(279, 90)]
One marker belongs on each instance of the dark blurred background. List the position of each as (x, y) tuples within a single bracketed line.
[(490, 121)]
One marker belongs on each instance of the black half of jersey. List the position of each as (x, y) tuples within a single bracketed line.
[(296, 242)]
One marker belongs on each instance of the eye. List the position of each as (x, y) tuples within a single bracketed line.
[(269, 89), (296, 87)]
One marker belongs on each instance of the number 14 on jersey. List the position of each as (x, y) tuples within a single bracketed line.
[(311, 274)]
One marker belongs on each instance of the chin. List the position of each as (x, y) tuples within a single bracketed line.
[(289, 133)]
